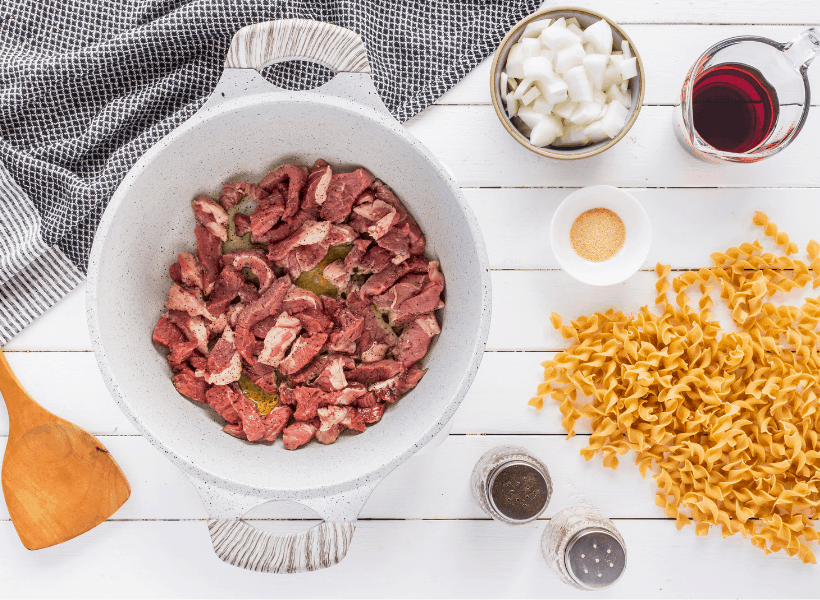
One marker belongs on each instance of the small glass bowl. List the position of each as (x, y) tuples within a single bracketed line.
[(627, 260)]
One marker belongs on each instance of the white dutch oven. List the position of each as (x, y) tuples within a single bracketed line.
[(246, 128)]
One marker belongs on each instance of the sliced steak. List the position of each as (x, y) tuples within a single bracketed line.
[(302, 352), (225, 290), (211, 216), (378, 337), (404, 289), (180, 352), (306, 400), (317, 184), (209, 250), (187, 271), (332, 378), (348, 396), (188, 300), (166, 333), (299, 299), (235, 430), (279, 339), (394, 388), (214, 328), (268, 303), (242, 223), (285, 230), (189, 385), (234, 191), (342, 193), (264, 217), (262, 328), (300, 433), (372, 414), (262, 375), (224, 362), (337, 274), (310, 372), (255, 261), (252, 423), (416, 238), (275, 422), (311, 232), (296, 178), (428, 300), (376, 218), (373, 372), (415, 339), (219, 398), (334, 419), (193, 328), (350, 330), (382, 280)]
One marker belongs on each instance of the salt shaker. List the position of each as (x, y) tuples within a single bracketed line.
[(584, 548), (511, 485)]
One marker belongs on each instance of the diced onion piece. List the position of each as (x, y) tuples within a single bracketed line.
[(574, 136), (624, 88), (530, 117), (568, 58), (629, 68), (562, 22), (586, 113), (599, 34), (612, 76), (532, 47), (512, 105), (614, 119), (565, 109), (538, 67), (589, 48), (524, 87), (515, 61), (598, 97), (548, 54), (625, 49), (595, 131), (602, 111), (534, 29), (556, 38), (616, 59), (578, 84), (573, 21), (504, 81), (555, 91), (530, 96), (512, 83), (573, 27), (546, 132), (595, 65), (541, 105), (616, 95)]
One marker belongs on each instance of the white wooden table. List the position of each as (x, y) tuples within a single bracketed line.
[(420, 533)]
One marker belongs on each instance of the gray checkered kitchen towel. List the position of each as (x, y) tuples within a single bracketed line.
[(87, 86)]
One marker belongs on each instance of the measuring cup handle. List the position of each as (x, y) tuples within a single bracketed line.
[(261, 44), (802, 49)]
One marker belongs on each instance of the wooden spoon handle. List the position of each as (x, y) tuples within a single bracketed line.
[(24, 412)]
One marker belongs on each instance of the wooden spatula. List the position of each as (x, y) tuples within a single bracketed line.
[(59, 480)]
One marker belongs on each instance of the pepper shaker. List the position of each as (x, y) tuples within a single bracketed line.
[(584, 548), (511, 485)]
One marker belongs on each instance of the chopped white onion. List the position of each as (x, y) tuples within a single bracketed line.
[(565, 109), (512, 105), (569, 57), (515, 61), (595, 65), (573, 28), (599, 34), (530, 96), (595, 131), (546, 132), (534, 29), (612, 76), (556, 91), (578, 84), (586, 113), (629, 68), (614, 119), (530, 117), (625, 49), (556, 38), (541, 105), (504, 81)]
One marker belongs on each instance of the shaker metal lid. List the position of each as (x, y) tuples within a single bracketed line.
[(595, 558)]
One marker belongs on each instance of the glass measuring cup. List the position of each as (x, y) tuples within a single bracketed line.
[(774, 103)]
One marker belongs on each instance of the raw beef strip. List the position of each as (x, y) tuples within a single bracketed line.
[(180, 352), (367, 399), (187, 271), (219, 398), (415, 339), (299, 299), (296, 176), (209, 249), (235, 430), (314, 321), (342, 193), (270, 302), (381, 281), (262, 328), (376, 218), (252, 423), (253, 260), (350, 330), (263, 376), (212, 216), (311, 232), (190, 385), (332, 378), (394, 388), (375, 260), (224, 362), (300, 433), (285, 230), (317, 184), (243, 224), (192, 327), (428, 300), (187, 300), (233, 312), (264, 217), (349, 396), (303, 258), (275, 422), (334, 419), (377, 371), (166, 333), (248, 293), (377, 337), (372, 414), (305, 399), (404, 289), (279, 339), (414, 231), (225, 290), (214, 328), (337, 275), (354, 258), (199, 363), (310, 372), (233, 192), (397, 242), (302, 352)]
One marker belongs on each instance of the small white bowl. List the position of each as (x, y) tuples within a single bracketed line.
[(627, 260)]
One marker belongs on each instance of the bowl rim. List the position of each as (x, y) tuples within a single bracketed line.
[(502, 115), (628, 198)]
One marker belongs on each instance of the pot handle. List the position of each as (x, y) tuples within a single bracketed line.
[(261, 44), (240, 544)]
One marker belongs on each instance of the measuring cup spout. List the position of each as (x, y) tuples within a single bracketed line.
[(802, 49)]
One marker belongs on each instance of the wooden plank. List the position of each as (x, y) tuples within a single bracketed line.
[(396, 559), (62, 327), (688, 225), (666, 62), (75, 391), (480, 152)]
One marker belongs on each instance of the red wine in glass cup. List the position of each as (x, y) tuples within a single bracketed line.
[(734, 108)]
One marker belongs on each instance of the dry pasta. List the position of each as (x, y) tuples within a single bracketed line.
[(728, 423)]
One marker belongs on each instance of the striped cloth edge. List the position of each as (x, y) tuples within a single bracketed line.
[(33, 276)]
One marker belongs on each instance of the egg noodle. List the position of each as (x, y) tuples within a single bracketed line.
[(727, 422)]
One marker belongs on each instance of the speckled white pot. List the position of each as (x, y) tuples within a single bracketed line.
[(245, 129)]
